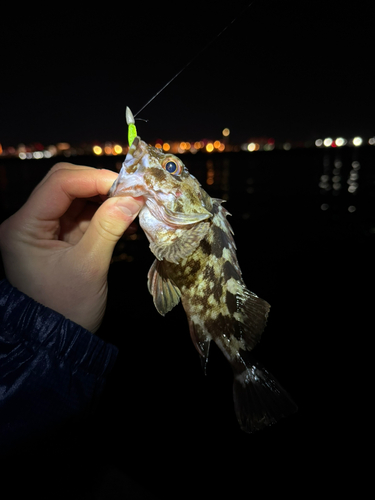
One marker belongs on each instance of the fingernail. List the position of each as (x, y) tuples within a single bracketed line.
[(128, 206)]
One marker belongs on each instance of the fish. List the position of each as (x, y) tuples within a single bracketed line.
[(196, 263)]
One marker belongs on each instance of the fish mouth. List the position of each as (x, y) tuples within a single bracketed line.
[(130, 180), (128, 185)]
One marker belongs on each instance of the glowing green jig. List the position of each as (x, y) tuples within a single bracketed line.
[(132, 131)]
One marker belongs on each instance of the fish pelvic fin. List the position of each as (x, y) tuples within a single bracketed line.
[(259, 399), (165, 293)]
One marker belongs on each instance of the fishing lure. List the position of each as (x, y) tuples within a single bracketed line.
[(132, 131)]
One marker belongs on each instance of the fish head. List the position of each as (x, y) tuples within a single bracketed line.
[(171, 193)]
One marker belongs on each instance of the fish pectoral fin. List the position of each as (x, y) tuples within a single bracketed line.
[(165, 293), (181, 247)]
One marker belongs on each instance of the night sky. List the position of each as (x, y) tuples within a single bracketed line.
[(284, 69)]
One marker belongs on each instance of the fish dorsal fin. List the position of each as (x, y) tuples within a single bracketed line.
[(182, 246), (165, 293), (250, 313)]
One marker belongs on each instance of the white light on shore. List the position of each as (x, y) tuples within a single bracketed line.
[(340, 141)]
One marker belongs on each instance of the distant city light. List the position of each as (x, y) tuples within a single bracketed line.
[(184, 146), (269, 146), (38, 151), (340, 141)]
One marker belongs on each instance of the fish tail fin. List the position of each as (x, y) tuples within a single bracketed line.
[(259, 399)]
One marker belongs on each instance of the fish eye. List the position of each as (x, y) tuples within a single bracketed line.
[(172, 166)]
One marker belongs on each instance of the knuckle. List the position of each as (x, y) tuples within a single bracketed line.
[(109, 230), (59, 166)]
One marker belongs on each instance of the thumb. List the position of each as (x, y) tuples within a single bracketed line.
[(107, 226)]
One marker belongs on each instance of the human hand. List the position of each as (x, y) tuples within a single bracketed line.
[(57, 248)]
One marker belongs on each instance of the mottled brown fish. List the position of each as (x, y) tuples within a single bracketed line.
[(196, 263)]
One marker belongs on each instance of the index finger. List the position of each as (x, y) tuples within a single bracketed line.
[(61, 166), (53, 196)]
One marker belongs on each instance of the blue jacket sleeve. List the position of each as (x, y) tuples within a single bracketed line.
[(51, 369)]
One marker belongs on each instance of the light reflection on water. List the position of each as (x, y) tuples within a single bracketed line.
[(344, 184)]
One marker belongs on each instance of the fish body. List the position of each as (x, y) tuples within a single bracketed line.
[(196, 263)]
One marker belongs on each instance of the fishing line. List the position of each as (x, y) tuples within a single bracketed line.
[(196, 55)]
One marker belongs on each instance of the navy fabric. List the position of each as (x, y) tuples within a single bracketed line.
[(51, 369)]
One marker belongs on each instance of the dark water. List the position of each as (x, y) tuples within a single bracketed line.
[(306, 245)]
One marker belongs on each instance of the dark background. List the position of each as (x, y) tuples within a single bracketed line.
[(290, 69)]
